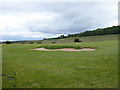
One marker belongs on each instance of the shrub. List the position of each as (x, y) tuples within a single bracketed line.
[(53, 42), (77, 40), (62, 36), (39, 42), (8, 42), (23, 43), (30, 43)]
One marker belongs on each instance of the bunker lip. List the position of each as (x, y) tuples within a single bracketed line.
[(64, 49)]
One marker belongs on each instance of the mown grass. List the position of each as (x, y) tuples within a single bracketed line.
[(0, 66), (24, 68)]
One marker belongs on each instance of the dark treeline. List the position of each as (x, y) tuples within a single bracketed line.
[(99, 31)]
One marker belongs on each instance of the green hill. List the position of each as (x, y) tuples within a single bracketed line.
[(99, 31), (109, 33)]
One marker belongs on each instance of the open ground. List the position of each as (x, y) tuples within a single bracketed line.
[(24, 68)]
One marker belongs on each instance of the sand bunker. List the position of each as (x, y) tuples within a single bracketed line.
[(64, 49)]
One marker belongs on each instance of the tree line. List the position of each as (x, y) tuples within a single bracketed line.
[(99, 31)]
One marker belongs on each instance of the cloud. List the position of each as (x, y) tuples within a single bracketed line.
[(19, 21), (58, 1), (26, 35)]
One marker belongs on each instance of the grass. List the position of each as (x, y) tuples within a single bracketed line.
[(0, 66), (63, 46), (59, 47), (24, 68), (71, 40), (83, 39)]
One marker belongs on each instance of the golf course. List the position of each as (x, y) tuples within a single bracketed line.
[(26, 68)]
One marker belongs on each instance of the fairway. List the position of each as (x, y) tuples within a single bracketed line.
[(24, 68)]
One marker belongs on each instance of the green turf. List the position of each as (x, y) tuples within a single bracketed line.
[(83, 39), (0, 66), (59, 47), (24, 68)]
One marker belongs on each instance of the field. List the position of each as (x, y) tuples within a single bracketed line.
[(83, 39), (24, 68)]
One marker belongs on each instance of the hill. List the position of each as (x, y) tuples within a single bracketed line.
[(99, 31), (109, 33)]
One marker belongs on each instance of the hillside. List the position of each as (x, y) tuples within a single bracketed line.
[(71, 39), (109, 33), (83, 39), (99, 31)]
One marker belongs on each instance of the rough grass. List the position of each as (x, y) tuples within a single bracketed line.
[(83, 39), (63, 46), (60, 47), (71, 40), (24, 68)]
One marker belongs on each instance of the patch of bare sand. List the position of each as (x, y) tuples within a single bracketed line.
[(64, 49)]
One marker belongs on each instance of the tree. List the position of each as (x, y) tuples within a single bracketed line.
[(39, 42), (31, 42), (62, 36), (76, 40), (8, 42)]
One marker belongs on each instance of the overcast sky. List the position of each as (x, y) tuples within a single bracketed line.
[(38, 20)]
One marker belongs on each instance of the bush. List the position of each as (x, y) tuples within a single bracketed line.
[(30, 43), (39, 42), (77, 40), (8, 42), (53, 42)]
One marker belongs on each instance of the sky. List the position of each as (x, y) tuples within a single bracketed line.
[(38, 20)]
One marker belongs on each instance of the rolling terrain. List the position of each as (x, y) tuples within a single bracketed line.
[(24, 68)]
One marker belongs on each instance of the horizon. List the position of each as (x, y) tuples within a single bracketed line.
[(51, 38)]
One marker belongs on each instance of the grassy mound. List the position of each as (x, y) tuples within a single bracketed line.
[(61, 47)]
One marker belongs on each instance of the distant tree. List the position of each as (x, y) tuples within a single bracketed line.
[(76, 40), (23, 42), (39, 42), (99, 31), (62, 36), (53, 42), (45, 39), (31, 42), (8, 42)]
